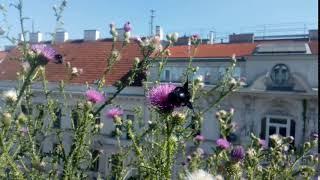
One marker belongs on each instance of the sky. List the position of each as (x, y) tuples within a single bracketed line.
[(183, 16)]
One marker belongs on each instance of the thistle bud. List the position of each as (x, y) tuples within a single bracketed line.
[(118, 132), (136, 60), (179, 118), (168, 36), (7, 118), (22, 119), (167, 52), (129, 122), (307, 145), (289, 139), (117, 120), (10, 96), (174, 37)]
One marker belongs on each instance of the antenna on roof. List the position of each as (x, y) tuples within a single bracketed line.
[(32, 26), (151, 21)]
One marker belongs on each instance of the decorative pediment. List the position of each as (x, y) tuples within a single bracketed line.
[(294, 82)]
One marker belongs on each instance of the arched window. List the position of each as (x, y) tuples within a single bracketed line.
[(280, 74)]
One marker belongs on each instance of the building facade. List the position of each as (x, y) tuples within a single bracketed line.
[(280, 96)]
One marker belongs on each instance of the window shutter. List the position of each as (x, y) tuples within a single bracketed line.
[(263, 128)]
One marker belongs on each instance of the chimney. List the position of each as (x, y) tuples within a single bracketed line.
[(239, 38), (211, 37), (313, 34), (35, 37), (20, 37), (61, 37), (120, 34), (159, 32), (91, 35)]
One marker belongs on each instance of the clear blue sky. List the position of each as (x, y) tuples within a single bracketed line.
[(184, 16)]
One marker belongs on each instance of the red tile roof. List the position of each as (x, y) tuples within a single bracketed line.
[(90, 56), (8, 68), (314, 47), (214, 50)]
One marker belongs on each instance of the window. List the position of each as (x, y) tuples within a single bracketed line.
[(57, 120), (221, 72), (167, 75), (280, 125), (207, 76), (237, 72), (280, 74), (130, 116), (95, 161)]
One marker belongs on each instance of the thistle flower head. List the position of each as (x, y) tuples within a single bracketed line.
[(223, 143), (24, 131), (94, 96), (114, 112), (10, 96), (47, 53), (158, 97), (127, 27), (238, 153), (199, 175), (263, 143), (199, 138)]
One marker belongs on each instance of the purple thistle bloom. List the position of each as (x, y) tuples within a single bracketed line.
[(238, 153), (94, 96), (24, 131), (127, 27), (223, 143), (263, 143), (47, 53), (158, 97), (314, 135), (199, 138), (114, 112)]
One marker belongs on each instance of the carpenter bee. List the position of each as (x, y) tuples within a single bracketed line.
[(181, 96), (58, 59)]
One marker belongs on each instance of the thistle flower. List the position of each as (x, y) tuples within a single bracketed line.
[(195, 37), (25, 66), (127, 27), (24, 131), (276, 139), (114, 113), (10, 96), (251, 152), (199, 175), (234, 58), (174, 37), (223, 143), (263, 143), (47, 53), (314, 136), (94, 96), (199, 138), (158, 97), (75, 71), (238, 153)]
